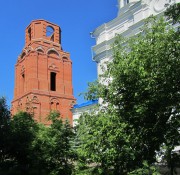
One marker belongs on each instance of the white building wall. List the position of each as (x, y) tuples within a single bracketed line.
[(128, 22), (78, 110)]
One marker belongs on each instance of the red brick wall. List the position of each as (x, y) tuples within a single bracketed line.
[(42, 55)]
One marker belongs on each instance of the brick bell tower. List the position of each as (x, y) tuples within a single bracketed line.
[(43, 74)]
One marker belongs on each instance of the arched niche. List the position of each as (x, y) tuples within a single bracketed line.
[(36, 108), (35, 99), (65, 58), (52, 52), (39, 50), (19, 105), (54, 104)]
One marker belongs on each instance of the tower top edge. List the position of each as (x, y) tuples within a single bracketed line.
[(42, 20)]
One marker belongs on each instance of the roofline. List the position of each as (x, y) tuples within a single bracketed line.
[(44, 21), (88, 103)]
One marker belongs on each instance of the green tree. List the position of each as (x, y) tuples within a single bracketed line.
[(41, 145), (22, 133), (173, 13), (141, 102), (4, 129), (54, 146), (28, 147), (62, 154)]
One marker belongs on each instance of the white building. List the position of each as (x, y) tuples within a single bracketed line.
[(129, 20), (79, 109)]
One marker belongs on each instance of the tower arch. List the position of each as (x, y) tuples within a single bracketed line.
[(39, 49), (53, 52)]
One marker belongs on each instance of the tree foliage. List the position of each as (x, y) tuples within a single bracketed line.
[(28, 147), (173, 13), (57, 148), (4, 129), (22, 133), (141, 103)]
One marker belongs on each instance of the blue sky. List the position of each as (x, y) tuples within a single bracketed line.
[(76, 19)]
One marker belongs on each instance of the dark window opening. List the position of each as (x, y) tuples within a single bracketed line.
[(23, 81), (126, 2), (53, 81), (23, 54), (29, 34)]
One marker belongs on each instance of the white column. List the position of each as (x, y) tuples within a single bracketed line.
[(121, 3)]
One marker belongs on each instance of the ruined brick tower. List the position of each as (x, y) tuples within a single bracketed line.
[(43, 74)]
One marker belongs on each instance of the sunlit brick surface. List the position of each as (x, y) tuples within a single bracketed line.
[(35, 89)]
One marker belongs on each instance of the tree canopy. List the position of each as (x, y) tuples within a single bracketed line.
[(140, 111), (28, 147)]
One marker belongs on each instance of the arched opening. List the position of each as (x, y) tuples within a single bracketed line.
[(126, 2), (40, 50), (19, 105), (23, 54), (65, 58), (29, 34), (53, 53), (23, 82), (50, 32), (54, 104), (35, 99), (36, 108)]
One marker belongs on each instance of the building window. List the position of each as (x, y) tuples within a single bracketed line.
[(29, 34), (23, 82), (126, 2), (23, 55), (50, 32), (53, 81)]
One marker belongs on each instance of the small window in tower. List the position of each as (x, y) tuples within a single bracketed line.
[(50, 32), (23, 54), (53, 81), (126, 2), (23, 81), (29, 34)]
